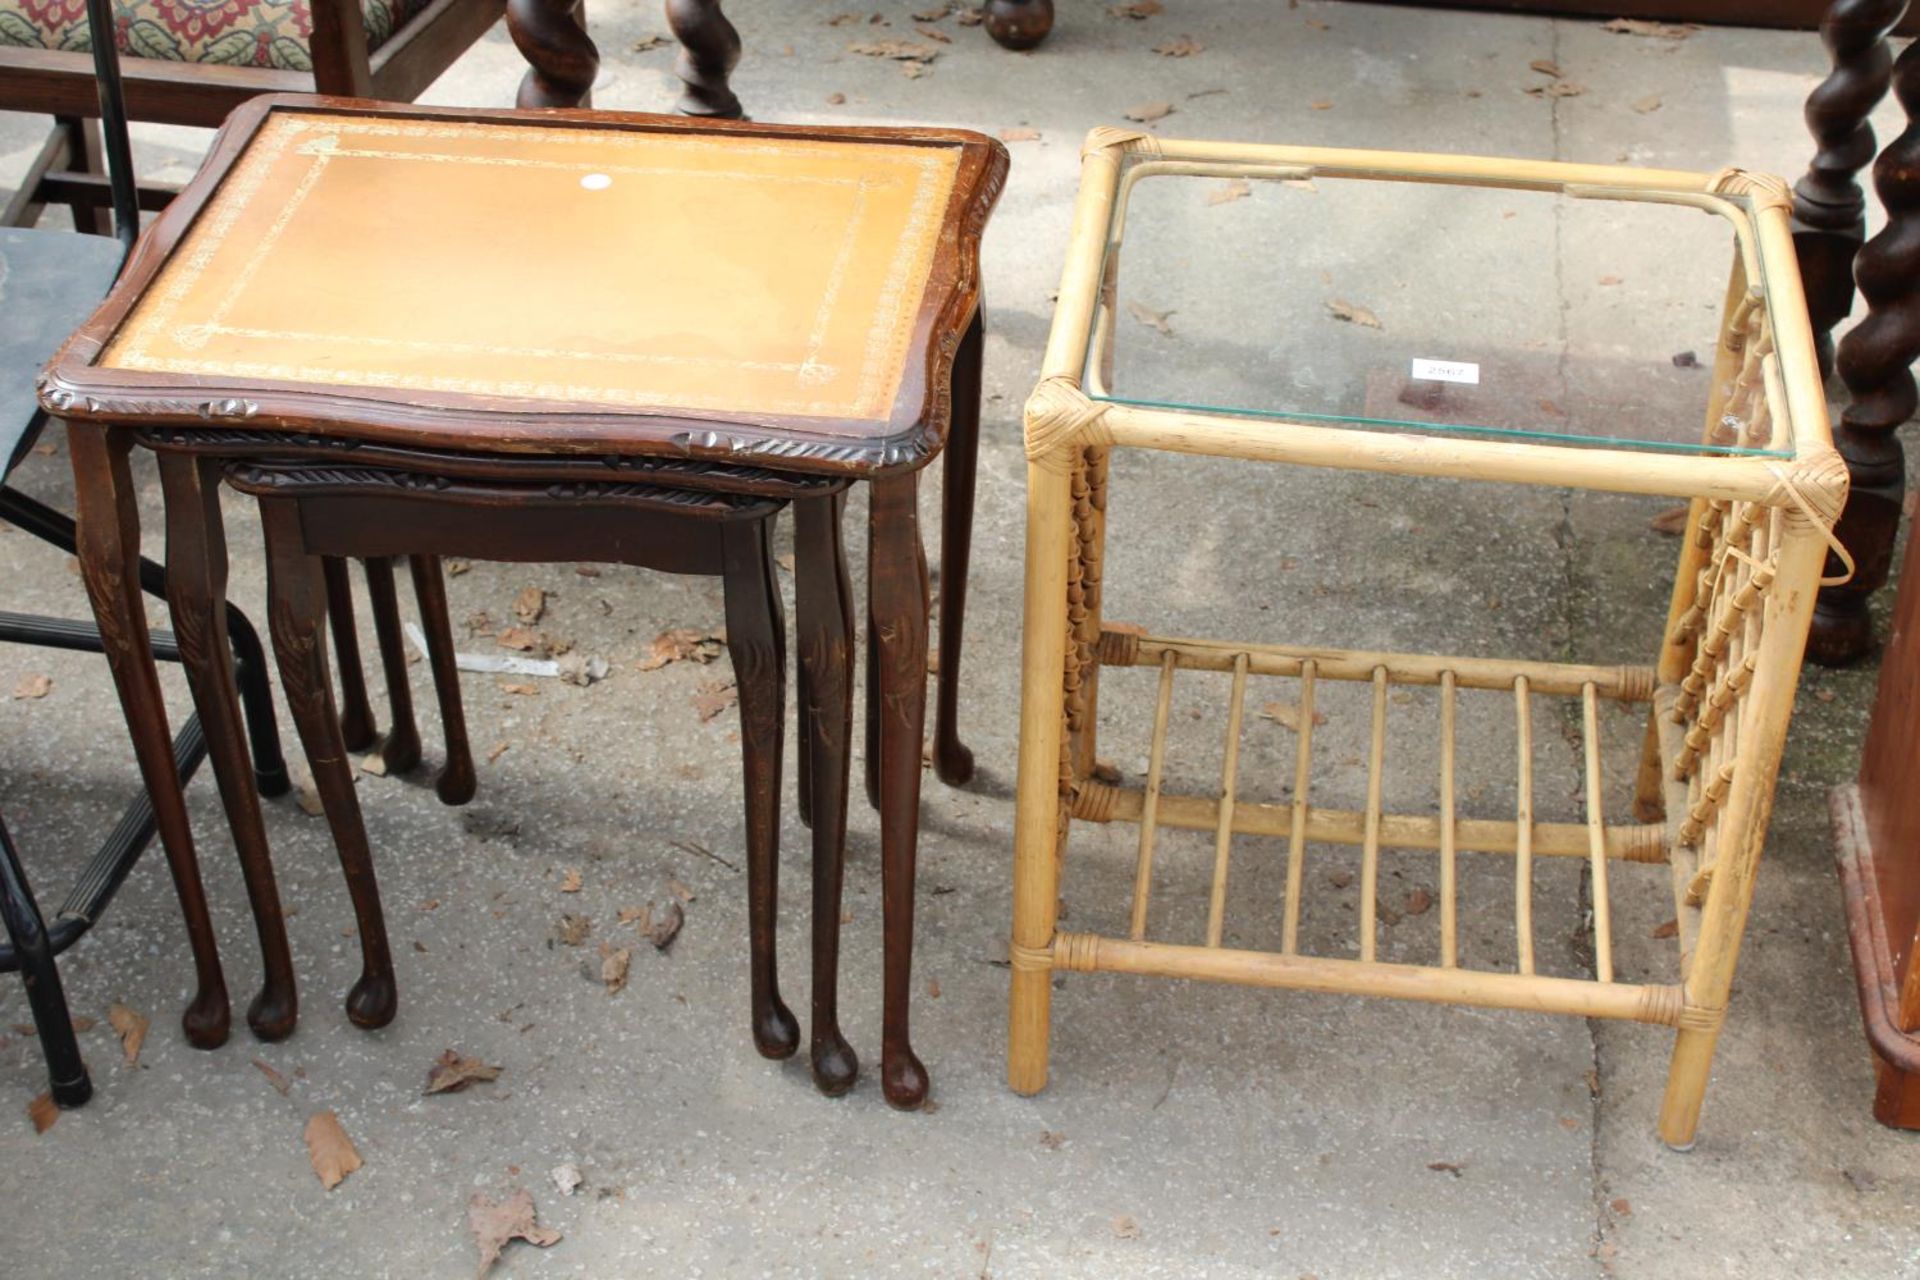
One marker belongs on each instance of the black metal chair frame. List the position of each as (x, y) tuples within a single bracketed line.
[(32, 944)]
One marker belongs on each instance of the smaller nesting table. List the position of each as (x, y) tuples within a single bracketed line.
[(575, 303)]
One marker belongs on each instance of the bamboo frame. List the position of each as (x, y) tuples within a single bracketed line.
[(1719, 691)]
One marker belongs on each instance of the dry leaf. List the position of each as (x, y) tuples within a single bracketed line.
[(1546, 67), (683, 644), (647, 43), (1184, 47), (1287, 715), (306, 795), (1237, 189), (1020, 134), (1671, 929), (33, 686), (1647, 105), (521, 639), (913, 70), (330, 1149), (274, 1078), (1558, 89), (43, 1111), (971, 17), (715, 697), (1340, 879), (530, 604), (131, 1027), (1672, 521), (933, 989), (836, 99), (570, 880), (1607, 282), (583, 669), (1137, 10), (939, 37), (1644, 27), (1352, 313), (643, 914), (1456, 1168), (1419, 901), (497, 750), (1106, 771), (455, 568), (374, 763), (1052, 1139), (1320, 104), (613, 967), (1685, 360), (452, 1072), (567, 1177), (932, 15), (82, 1023), (681, 890), (495, 1224), (1621, 1206), (1317, 25), (572, 930), (665, 926), (902, 50), (1147, 112), (1151, 318), (1125, 1227)]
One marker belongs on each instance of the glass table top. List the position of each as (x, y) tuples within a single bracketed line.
[(1418, 307)]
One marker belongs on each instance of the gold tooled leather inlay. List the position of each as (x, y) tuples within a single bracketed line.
[(610, 267)]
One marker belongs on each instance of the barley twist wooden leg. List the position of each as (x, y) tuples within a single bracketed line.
[(757, 644), (296, 607), (197, 600), (897, 606), (1038, 800), (402, 749), (456, 782), (825, 630), (1829, 209), (709, 48), (1876, 363), (357, 728), (108, 544), (562, 59), (951, 759)]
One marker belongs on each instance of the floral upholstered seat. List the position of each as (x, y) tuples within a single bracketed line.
[(239, 33)]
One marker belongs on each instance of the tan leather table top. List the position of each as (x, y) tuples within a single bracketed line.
[(612, 268)]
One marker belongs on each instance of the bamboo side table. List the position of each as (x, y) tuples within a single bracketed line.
[(724, 297), (1764, 485)]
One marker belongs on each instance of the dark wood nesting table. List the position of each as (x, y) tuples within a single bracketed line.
[(702, 301)]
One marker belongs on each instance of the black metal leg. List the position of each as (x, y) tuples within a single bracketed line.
[(66, 1073)]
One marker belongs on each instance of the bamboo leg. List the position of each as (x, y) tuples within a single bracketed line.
[(1723, 917), (1297, 838), (1597, 835), (1449, 881), (1037, 829), (1143, 867), (1370, 848), (1523, 817), (1229, 784)]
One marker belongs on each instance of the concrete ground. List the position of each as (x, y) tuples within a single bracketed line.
[(1188, 1130)]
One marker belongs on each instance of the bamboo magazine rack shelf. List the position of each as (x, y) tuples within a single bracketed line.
[(1764, 486)]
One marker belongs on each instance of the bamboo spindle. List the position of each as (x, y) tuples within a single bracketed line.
[(1229, 782), (1150, 807), (1597, 836), (1302, 779), (1523, 819), (1370, 849), (1449, 885)]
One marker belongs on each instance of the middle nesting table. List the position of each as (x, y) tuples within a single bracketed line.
[(730, 308)]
